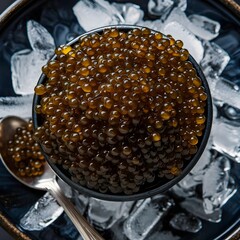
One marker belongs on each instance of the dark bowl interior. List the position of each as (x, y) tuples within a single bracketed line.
[(160, 185)]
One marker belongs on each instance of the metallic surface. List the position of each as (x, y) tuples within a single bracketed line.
[(47, 181)]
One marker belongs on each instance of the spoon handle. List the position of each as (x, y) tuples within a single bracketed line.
[(87, 232)]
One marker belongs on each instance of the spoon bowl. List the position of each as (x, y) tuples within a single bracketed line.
[(8, 127), (47, 181)]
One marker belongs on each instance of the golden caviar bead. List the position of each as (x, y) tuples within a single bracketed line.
[(161, 72), (145, 88), (179, 43), (102, 68), (203, 96), (113, 33), (193, 140), (84, 71), (156, 137), (66, 49), (127, 150), (158, 36), (40, 89), (86, 87), (165, 115), (175, 171), (85, 62), (107, 103), (184, 54), (200, 119), (197, 82)]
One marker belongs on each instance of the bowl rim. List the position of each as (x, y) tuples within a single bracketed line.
[(156, 190)]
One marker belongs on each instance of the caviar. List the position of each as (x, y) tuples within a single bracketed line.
[(26, 155), (121, 109)]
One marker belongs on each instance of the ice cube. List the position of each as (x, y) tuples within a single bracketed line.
[(227, 140), (199, 169), (155, 25), (191, 43), (211, 204), (45, 211), (195, 206), (215, 59), (131, 13), (197, 29), (161, 8), (181, 4), (231, 113), (81, 201), (223, 88), (26, 68), (144, 218), (186, 187), (20, 106), (103, 214), (96, 13), (163, 235), (183, 193), (218, 186), (66, 189), (215, 183), (210, 28), (186, 222), (40, 39), (188, 183)]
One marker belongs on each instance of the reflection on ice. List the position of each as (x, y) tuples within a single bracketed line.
[(186, 222), (208, 28), (131, 13), (19, 106), (96, 13), (227, 141), (26, 64), (215, 183), (232, 113), (155, 25), (43, 213), (39, 38), (142, 221), (195, 206), (81, 201), (215, 59), (161, 8), (26, 67), (223, 88), (103, 214)]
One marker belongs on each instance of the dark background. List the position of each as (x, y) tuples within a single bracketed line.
[(3, 5)]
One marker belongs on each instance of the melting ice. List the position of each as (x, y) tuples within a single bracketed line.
[(26, 64), (45, 211)]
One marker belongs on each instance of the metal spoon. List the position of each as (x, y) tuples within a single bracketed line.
[(47, 181)]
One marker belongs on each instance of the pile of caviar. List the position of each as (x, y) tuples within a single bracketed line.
[(121, 109), (25, 152)]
